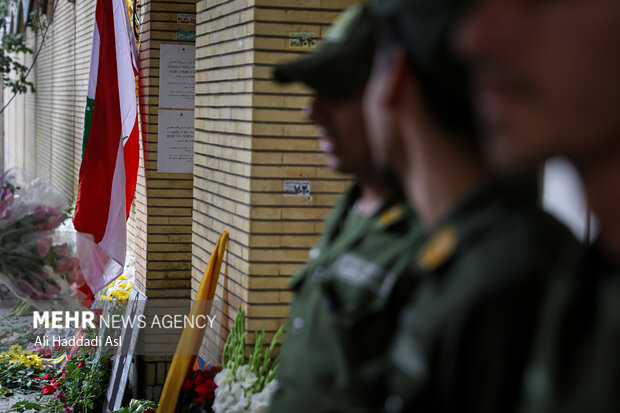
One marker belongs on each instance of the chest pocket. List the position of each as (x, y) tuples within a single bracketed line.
[(358, 288)]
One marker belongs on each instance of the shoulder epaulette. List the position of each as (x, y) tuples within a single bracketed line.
[(438, 249)]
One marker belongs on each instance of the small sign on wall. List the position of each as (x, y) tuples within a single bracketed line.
[(302, 40), (186, 18), (186, 36), (175, 141), (177, 76), (297, 188)]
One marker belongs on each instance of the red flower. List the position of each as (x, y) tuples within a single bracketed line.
[(202, 389), (48, 389), (198, 400), (80, 364), (149, 411), (205, 391), (47, 355), (188, 385), (53, 381), (46, 377)]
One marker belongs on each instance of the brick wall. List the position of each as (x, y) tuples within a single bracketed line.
[(250, 138), (163, 219)]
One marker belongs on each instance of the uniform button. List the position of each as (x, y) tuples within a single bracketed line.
[(393, 404), (318, 274), (298, 325)]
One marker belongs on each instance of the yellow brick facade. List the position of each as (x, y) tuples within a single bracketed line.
[(250, 138)]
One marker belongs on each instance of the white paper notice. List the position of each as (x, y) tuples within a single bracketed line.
[(176, 76), (175, 141)]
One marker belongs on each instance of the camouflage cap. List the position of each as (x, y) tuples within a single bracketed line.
[(343, 59)]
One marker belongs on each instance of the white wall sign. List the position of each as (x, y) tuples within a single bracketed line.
[(186, 18), (175, 141), (176, 76), (297, 188)]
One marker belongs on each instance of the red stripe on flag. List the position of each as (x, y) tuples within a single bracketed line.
[(131, 152), (98, 163)]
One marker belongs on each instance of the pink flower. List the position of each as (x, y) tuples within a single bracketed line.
[(43, 246), (5, 211), (62, 250), (50, 216), (76, 273), (62, 398), (65, 265), (69, 409), (6, 194)]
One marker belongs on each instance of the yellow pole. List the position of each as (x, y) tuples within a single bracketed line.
[(191, 339)]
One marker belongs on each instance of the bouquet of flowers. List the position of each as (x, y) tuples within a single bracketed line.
[(245, 387), (198, 391), (34, 265)]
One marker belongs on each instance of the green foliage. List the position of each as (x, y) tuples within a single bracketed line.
[(82, 389), (14, 74), (260, 362), (138, 406)]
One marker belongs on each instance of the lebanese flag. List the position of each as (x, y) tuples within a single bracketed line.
[(110, 151)]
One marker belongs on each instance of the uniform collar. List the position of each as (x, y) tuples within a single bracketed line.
[(472, 216)]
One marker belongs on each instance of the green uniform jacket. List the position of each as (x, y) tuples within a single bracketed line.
[(344, 312), (466, 334), (576, 362)]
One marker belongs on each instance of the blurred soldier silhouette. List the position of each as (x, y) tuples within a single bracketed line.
[(547, 82), (464, 338), (348, 295)]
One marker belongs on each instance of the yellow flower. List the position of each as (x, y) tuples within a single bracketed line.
[(122, 277)]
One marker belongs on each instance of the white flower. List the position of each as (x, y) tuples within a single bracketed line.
[(230, 394), (224, 378), (259, 402), (246, 377)]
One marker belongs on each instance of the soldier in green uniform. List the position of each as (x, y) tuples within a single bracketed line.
[(548, 83), (464, 337), (348, 295)]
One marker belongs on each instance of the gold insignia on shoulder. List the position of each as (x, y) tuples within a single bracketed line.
[(438, 249), (391, 215)]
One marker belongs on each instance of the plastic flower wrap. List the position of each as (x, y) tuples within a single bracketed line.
[(36, 263), (245, 387)]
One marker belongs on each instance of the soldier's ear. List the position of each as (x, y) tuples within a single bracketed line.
[(402, 84)]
